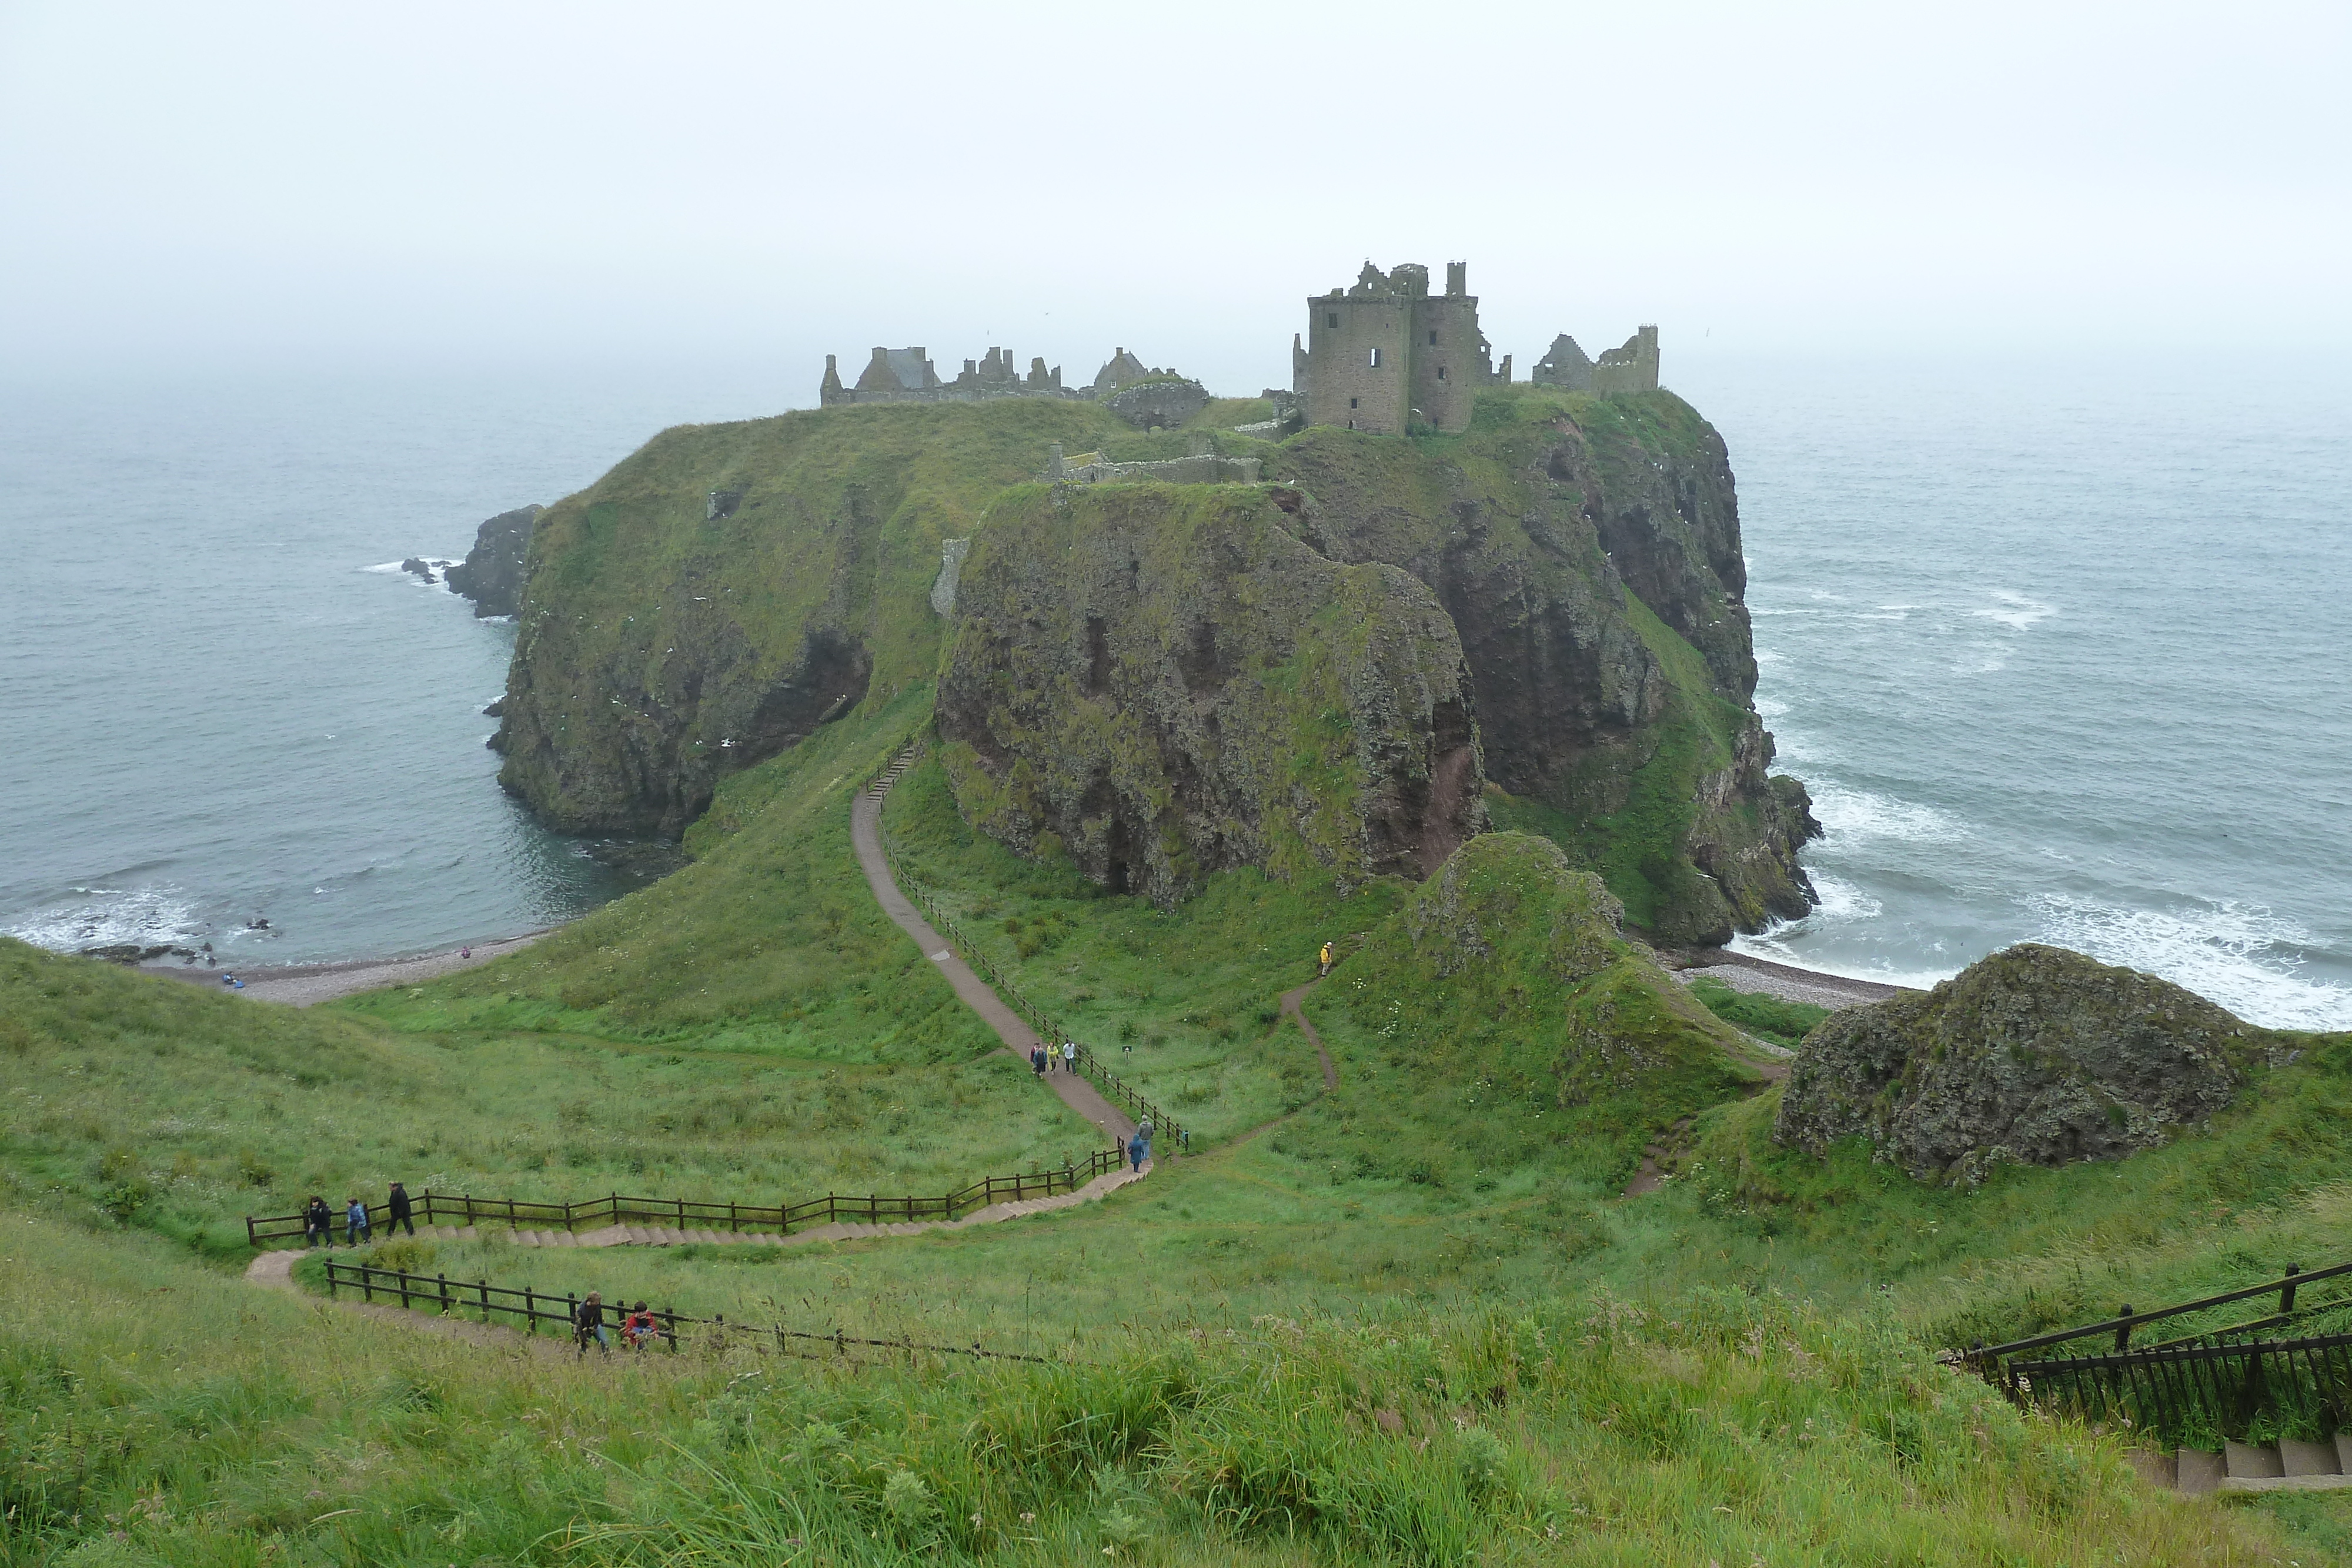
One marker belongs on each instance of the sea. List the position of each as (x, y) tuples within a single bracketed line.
[(2059, 647)]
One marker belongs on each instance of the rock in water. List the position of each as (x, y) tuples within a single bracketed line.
[(1164, 683), (2034, 1055), (492, 573)]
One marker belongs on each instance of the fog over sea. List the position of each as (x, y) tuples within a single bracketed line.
[(2059, 650)]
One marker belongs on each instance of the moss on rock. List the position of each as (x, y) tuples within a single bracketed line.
[(1163, 683), (2034, 1056)]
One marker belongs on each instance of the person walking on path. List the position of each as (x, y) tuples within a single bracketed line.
[(1139, 1147), (355, 1223), (1323, 962), (1038, 1059), (1069, 1056), (588, 1323), (315, 1221), (399, 1211)]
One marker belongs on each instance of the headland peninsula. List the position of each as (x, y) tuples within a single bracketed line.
[(1190, 1026)]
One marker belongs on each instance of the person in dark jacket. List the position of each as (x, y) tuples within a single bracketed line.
[(1038, 1059), (315, 1222), (588, 1323), (400, 1212)]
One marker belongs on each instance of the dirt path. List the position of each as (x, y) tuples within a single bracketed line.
[(865, 834), (275, 1270), (1290, 1000)]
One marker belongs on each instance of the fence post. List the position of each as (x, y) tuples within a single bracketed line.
[(2123, 1334), (669, 1328), (367, 1285), (250, 1239), (2286, 1296), (681, 1215), (730, 1217), (572, 1315), (331, 1279), (403, 1277), (486, 1299), (445, 1294), (530, 1311), (469, 1208)]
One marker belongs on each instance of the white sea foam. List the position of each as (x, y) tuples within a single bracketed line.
[(1842, 900), (2015, 610), (2239, 955), (1849, 815), (1769, 708), (109, 917)]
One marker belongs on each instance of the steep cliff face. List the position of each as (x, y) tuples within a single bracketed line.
[(729, 587), (492, 574), (1162, 682), (2033, 1056), (1588, 551)]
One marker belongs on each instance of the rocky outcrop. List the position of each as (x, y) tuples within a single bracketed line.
[(1162, 682), (492, 575), (662, 647), (1562, 534), (2033, 1056), (1166, 402)]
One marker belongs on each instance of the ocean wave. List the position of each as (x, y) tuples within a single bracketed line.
[(2241, 956), (109, 917), (1770, 707), (1849, 814), (2017, 612)]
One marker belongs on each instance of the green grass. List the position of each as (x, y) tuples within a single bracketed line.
[(149, 1103), (1181, 1002), (234, 1427), (1765, 1017)]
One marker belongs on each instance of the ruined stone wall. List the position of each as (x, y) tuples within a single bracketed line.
[(1631, 367), (1346, 387), (1449, 359)]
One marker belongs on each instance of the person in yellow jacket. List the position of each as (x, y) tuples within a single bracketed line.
[(1326, 962)]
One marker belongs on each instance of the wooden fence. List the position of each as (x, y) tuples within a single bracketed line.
[(486, 1303), (535, 1214)]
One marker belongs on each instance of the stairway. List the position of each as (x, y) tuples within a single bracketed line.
[(2288, 1465), (881, 786)]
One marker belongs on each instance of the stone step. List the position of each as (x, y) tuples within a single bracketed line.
[(2297, 1458), (2198, 1472), (2246, 1462)]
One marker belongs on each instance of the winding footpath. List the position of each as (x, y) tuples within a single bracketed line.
[(275, 1269)]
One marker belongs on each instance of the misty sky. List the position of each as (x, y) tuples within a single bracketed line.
[(235, 184)]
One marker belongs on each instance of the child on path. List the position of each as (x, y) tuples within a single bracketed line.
[(1069, 1056), (588, 1323), (355, 1223), (1323, 962), (399, 1215), (1037, 1059), (315, 1221)]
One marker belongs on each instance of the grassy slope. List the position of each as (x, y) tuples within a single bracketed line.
[(770, 941), (180, 1110), (241, 1427)]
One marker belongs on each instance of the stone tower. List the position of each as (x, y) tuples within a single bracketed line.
[(1388, 353)]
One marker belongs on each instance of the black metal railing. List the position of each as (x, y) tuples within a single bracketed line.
[(524, 1213), (2208, 1382), (486, 1303)]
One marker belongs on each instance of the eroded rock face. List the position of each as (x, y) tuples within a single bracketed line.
[(492, 573), (1163, 682), (1534, 532), (2034, 1055)]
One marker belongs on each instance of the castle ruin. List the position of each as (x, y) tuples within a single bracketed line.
[(906, 375), (1386, 355)]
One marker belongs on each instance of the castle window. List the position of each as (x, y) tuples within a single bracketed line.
[(1351, 402), (1376, 358), (1330, 318), (1432, 337), (1441, 372)]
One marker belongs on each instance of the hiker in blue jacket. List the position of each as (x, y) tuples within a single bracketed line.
[(1139, 1147), (355, 1223)]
